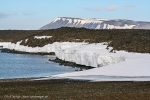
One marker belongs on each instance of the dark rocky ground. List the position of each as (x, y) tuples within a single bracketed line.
[(65, 89)]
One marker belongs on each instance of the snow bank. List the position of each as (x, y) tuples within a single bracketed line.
[(4, 43), (136, 67), (45, 49), (94, 55), (18, 47)]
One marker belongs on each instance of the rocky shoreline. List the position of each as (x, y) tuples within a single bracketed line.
[(52, 80), (72, 64), (21, 52)]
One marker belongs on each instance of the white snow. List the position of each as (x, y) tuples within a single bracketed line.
[(42, 37), (136, 67), (121, 27), (119, 66), (18, 47), (56, 19), (98, 27), (26, 40), (4, 43), (46, 49), (118, 27), (83, 21), (105, 25), (89, 54)]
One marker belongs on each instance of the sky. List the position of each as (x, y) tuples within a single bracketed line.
[(33, 14)]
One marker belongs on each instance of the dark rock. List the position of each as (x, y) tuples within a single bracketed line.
[(21, 52), (72, 64)]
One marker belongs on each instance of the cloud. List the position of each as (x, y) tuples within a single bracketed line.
[(128, 6), (111, 8), (27, 13), (2, 15), (96, 9)]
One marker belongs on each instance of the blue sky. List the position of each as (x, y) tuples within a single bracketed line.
[(33, 14)]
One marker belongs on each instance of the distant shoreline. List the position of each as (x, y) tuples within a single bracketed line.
[(21, 52), (41, 79)]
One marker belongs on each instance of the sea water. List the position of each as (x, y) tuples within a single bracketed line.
[(29, 65)]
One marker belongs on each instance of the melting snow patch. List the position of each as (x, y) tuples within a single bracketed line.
[(42, 37)]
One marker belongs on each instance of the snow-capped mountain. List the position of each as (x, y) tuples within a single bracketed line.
[(96, 23)]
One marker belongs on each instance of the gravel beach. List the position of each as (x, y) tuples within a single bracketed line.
[(68, 89)]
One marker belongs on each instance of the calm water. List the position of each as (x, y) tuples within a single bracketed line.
[(26, 65)]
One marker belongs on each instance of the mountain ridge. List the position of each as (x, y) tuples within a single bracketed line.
[(96, 23)]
